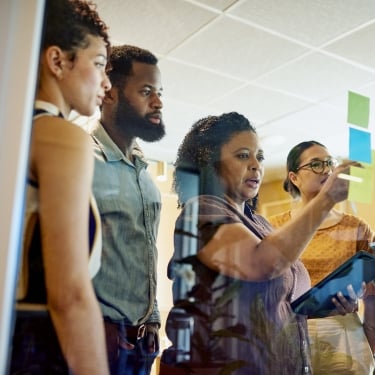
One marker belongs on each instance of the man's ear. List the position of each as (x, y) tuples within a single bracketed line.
[(56, 59)]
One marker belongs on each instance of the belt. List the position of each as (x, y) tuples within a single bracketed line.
[(126, 333), (135, 333), (128, 337)]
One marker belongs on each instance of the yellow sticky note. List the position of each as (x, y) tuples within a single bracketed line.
[(361, 184)]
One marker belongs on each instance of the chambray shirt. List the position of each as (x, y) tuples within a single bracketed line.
[(129, 204)]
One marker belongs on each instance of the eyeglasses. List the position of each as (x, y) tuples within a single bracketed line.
[(318, 166)]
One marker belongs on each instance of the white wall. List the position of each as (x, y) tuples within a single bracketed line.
[(20, 30)]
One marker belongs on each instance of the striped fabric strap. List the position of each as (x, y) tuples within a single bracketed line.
[(40, 111)]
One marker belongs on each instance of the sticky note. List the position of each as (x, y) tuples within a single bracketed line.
[(359, 145), (358, 109), (361, 187)]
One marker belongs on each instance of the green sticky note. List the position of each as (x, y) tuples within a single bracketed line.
[(361, 184), (358, 109)]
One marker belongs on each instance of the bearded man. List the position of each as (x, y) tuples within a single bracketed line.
[(129, 204)]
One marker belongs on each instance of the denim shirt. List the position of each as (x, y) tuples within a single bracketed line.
[(129, 204)]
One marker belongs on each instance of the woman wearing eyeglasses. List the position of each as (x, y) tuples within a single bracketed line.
[(336, 341)]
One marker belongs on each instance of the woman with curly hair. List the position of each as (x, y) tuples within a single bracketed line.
[(59, 328), (233, 275)]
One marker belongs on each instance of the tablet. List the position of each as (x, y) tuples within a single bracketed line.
[(316, 302)]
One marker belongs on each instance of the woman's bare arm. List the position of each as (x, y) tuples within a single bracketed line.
[(63, 162), (235, 251)]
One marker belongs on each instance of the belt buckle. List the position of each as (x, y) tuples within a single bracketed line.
[(141, 331)]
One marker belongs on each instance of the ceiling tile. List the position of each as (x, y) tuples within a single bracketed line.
[(316, 77), (157, 25), (258, 104), (217, 4), (312, 22), (358, 46), (236, 49), (193, 85), (313, 121), (180, 116)]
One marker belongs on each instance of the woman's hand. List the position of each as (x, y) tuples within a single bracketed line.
[(348, 305), (369, 289), (337, 186)]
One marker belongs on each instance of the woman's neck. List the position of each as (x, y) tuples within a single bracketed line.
[(240, 206)]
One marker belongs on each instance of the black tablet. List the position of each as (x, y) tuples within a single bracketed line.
[(316, 302)]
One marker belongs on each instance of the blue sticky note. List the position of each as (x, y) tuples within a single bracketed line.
[(359, 145)]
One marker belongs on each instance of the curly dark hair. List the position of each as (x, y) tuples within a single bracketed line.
[(292, 163), (67, 23), (120, 63), (200, 153)]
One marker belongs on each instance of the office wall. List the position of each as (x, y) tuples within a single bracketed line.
[(20, 27), (273, 200)]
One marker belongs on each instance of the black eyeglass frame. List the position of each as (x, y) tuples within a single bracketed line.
[(330, 163)]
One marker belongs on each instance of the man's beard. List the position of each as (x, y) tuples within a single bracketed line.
[(135, 126)]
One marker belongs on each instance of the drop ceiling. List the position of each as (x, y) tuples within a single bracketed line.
[(285, 64)]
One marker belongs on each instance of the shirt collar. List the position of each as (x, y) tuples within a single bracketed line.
[(109, 148)]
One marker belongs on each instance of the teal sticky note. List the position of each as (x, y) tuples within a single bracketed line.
[(358, 109), (359, 145)]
